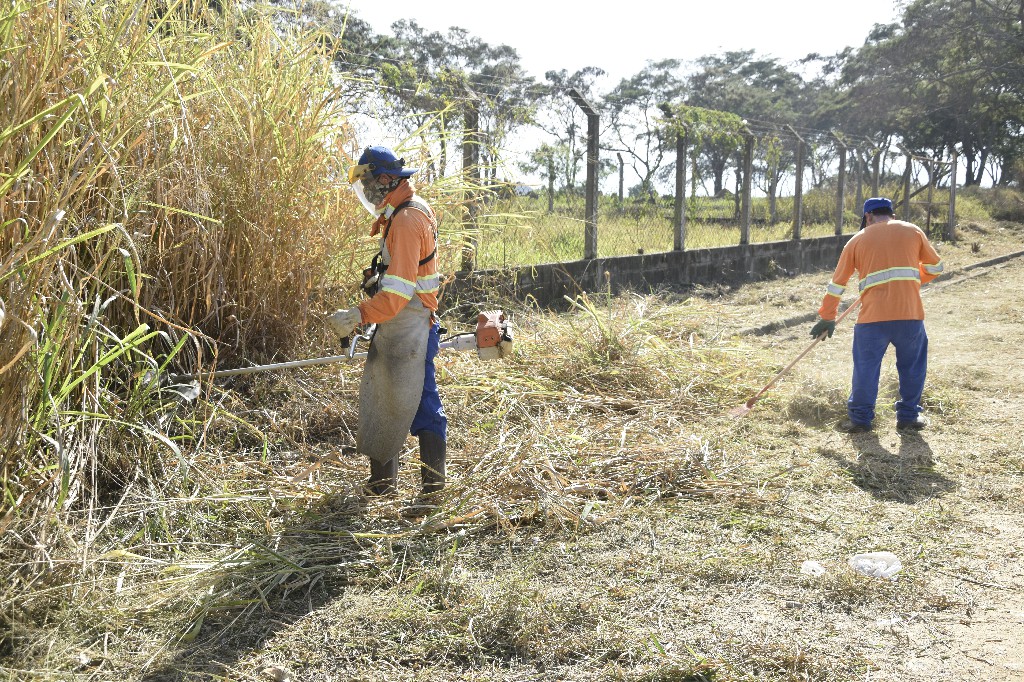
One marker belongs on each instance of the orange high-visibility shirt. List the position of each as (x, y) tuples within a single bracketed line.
[(892, 260), (409, 240)]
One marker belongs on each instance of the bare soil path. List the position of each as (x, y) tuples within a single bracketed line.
[(948, 501)]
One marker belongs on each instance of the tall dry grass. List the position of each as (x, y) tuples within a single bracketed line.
[(169, 194)]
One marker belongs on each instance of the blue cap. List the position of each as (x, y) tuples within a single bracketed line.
[(383, 160), (877, 203)]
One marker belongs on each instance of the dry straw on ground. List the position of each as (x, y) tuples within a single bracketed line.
[(591, 418)]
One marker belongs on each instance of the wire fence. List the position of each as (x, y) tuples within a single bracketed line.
[(766, 183)]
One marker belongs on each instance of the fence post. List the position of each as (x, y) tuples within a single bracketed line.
[(858, 165), (471, 168), (748, 167), (680, 202), (951, 227), (622, 178), (593, 140), (906, 183), (931, 194), (798, 192), (551, 184), (876, 166), (841, 189)]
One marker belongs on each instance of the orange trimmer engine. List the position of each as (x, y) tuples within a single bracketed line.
[(493, 336)]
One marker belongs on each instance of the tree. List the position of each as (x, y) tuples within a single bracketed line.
[(429, 80), (561, 118), (634, 107), (549, 162), (760, 90), (705, 129), (949, 75)]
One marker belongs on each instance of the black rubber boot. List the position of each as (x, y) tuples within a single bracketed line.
[(432, 456), (383, 477)]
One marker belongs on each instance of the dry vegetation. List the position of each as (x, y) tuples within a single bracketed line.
[(604, 520)]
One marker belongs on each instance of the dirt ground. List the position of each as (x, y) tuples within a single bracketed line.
[(711, 589), (947, 501)]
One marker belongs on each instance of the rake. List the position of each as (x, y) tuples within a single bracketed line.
[(742, 409)]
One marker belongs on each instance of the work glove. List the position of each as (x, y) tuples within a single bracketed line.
[(343, 322), (822, 326)]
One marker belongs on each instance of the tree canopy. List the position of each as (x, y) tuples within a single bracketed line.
[(946, 78)]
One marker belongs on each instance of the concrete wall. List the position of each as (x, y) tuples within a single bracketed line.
[(549, 282)]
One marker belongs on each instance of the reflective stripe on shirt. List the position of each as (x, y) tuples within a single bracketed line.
[(397, 286), (428, 283), (834, 289), (890, 275), (934, 269)]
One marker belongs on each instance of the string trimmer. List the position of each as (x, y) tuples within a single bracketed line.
[(492, 340)]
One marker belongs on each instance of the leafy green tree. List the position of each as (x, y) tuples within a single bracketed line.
[(705, 129), (756, 89), (948, 76), (429, 81), (549, 162)]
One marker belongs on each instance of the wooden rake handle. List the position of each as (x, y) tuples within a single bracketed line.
[(767, 387)]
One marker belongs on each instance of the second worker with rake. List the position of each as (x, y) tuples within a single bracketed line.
[(892, 259)]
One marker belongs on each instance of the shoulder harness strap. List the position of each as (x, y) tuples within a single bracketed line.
[(422, 208)]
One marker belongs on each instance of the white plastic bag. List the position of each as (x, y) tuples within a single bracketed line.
[(876, 564), (812, 568)]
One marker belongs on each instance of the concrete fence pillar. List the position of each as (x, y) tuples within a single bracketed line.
[(593, 159), (841, 185), (798, 192), (471, 171), (679, 222), (748, 172), (951, 226)]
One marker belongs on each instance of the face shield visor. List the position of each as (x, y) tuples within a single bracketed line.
[(364, 185)]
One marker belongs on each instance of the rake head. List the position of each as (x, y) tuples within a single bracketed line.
[(742, 409)]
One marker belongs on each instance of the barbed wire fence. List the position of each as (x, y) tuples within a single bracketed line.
[(773, 182)]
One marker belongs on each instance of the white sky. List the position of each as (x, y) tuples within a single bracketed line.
[(571, 34), (623, 37)]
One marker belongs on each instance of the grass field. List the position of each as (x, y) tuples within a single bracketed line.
[(524, 232), (605, 519), (170, 200)]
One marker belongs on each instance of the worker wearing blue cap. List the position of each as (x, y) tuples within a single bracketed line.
[(398, 392), (892, 259)]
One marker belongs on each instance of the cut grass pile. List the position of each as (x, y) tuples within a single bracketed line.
[(595, 456), (593, 416)]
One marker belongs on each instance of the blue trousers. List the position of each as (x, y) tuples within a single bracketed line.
[(870, 342), (430, 415)]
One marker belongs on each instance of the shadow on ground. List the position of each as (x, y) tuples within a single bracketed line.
[(906, 475), (283, 577)]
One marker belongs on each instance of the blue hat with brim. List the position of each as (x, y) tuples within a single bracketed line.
[(876, 204), (383, 160)]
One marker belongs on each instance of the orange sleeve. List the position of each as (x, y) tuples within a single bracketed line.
[(931, 265), (398, 285), (834, 292)]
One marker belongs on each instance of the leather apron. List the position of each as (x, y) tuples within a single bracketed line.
[(392, 383)]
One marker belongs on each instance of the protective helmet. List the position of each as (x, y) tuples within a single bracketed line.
[(377, 160)]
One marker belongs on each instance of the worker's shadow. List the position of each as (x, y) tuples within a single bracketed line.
[(280, 578), (906, 475)]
